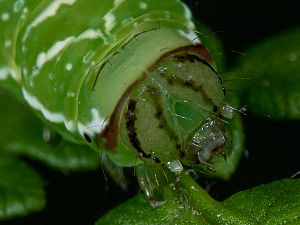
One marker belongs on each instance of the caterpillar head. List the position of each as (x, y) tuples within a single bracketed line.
[(172, 114), (165, 105)]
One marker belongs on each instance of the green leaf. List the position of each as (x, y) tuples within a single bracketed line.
[(22, 133), (274, 203), (21, 188), (138, 211), (189, 205), (274, 68)]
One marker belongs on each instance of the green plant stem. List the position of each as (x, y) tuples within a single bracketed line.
[(211, 210)]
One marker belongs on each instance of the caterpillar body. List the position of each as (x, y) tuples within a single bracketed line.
[(129, 78)]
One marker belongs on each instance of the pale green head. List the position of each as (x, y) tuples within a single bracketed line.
[(172, 114)]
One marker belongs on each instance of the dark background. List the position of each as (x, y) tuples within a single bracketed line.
[(273, 148)]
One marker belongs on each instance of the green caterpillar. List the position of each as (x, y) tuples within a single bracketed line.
[(128, 78)]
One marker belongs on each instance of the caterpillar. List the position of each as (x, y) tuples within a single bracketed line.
[(128, 78)]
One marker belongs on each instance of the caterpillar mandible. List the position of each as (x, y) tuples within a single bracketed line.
[(128, 78)]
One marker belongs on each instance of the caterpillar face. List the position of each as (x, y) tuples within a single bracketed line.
[(170, 114)]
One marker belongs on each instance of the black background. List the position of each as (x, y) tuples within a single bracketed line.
[(273, 148)]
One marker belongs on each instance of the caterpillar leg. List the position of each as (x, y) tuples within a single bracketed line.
[(156, 182), (114, 171)]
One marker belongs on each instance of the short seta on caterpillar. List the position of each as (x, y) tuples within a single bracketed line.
[(127, 78)]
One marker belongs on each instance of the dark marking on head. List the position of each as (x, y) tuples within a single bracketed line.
[(158, 114), (224, 90), (131, 106), (222, 83), (111, 131), (156, 160), (215, 109), (156, 99), (130, 125), (191, 84), (161, 126), (87, 137), (186, 57), (197, 50)]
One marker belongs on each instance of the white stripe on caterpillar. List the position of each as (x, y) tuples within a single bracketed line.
[(110, 21), (50, 11), (53, 117), (6, 71)]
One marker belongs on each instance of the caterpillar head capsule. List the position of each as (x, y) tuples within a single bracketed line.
[(171, 117)]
